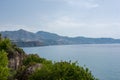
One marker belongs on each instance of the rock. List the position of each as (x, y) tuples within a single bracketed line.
[(28, 71), (32, 68), (15, 59)]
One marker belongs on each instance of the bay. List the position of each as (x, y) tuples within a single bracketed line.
[(102, 59)]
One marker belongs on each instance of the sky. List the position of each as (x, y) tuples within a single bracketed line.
[(89, 18)]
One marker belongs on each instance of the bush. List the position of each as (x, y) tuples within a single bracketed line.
[(4, 70), (5, 44), (62, 71), (34, 58)]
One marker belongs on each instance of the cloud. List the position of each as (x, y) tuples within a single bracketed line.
[(63, 23), (67, 22), (12, 27), (83, 3), (70, 27)]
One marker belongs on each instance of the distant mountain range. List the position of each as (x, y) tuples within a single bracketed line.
[(25, 38)]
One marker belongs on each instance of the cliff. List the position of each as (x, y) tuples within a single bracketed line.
[(16, 57), (15, 54)]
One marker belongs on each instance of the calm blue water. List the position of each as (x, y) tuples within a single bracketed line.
[(102, 59)]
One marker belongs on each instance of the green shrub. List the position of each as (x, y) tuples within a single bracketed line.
[(34, 58), (4, 70), (62, 71)]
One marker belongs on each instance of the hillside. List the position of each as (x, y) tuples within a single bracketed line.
[(41, 38)]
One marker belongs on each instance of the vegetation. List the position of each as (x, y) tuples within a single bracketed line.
[(7, 46), (7, 50), (4, 70), (48, 70), (34, 58), (62, 71)]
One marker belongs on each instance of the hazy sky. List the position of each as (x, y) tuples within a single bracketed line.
[(90, 18)]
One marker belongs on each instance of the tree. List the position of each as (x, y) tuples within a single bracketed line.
[(4, 70), (5, 44), (62, 71), (34, 58)]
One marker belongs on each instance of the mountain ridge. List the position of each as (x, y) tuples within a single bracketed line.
[(22, 37)]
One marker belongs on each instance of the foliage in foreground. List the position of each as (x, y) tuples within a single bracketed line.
[(4, 70), (34, 58), (62, 71)]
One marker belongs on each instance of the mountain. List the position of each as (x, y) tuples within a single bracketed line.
[(25, 38), (47, 35), (20, 35)]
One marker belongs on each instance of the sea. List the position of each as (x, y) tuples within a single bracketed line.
[(103, 60)]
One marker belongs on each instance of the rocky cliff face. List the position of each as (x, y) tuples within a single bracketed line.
[(29, 70), (15, 57), (15, 60)]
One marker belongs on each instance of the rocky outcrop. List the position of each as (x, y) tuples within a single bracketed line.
[(15, 60), (15, 57), (25, 73), (32, 69)]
